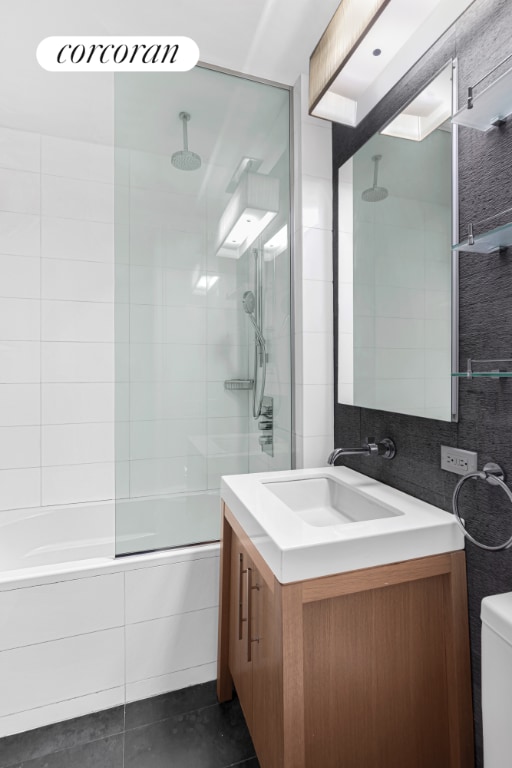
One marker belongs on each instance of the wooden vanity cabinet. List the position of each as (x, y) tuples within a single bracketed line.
[(253, 647), (366, 669)]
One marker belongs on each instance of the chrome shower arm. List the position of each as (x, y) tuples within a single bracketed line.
[(376, 159), (185, 134)]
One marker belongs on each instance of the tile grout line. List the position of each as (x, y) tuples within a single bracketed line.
[(40, 322), (184, 713), (130, 321)]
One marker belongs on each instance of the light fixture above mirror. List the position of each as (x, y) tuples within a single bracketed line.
[(367, 47)]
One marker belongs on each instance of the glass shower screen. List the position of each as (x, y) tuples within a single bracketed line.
[(202, 202)]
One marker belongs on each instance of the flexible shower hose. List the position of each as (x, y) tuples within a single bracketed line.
[(258, 392)]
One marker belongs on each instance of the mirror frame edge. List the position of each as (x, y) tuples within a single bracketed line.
[(455, 238)]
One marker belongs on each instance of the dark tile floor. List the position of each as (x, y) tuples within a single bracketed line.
[(183, 729)]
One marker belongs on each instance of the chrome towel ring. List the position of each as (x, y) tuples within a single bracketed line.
[(494, 475)]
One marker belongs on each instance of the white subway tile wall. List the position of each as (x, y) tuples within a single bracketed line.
[(54, 611), (19, 236), (314, 402), (56, 320), (61, 670), (20, 150), (89, 642)]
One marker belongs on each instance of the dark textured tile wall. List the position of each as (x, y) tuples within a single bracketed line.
[(480, 39), (182, 729)]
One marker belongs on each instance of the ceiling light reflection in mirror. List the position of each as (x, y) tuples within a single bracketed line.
[(395, 263), (426, 112)]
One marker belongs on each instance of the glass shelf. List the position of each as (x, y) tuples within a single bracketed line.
[(469, 373), (483, 374), (487, 242), (492, 106)]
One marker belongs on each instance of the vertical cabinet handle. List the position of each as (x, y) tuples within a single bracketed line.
[(250, 588), (240, 595), (249, 613)]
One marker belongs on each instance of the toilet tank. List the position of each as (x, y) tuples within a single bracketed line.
[(496, 618)]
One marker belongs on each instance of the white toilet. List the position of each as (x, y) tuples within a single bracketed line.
[(496, 617)]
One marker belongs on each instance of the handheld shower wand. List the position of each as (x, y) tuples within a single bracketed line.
[(249, 305)]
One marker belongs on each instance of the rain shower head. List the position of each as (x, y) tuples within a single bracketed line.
[(375, 194), (184, 159)]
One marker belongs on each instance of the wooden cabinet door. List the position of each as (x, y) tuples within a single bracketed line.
[(240, 664), (253, 652), (267, 717)]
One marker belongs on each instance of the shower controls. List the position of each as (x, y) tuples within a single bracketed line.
[(266, 426)]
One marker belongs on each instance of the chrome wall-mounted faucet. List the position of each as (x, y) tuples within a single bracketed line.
[(385, 448)]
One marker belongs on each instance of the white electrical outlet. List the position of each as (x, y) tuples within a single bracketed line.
[(458, 461)]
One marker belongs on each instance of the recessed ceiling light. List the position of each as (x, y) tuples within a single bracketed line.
[(276, 245)]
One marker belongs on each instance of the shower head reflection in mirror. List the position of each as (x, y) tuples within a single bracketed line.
[(397, 286), (375, 194)]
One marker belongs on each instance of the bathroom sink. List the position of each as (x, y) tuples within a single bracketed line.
[(308, 523), (325, 501)]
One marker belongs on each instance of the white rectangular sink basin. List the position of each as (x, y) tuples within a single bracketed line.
[(324, 501), (308, 523)]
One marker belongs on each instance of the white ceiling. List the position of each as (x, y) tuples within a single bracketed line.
[(269, 39)]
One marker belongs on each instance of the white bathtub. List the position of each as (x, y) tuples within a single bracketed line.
[(81, 631), (46, 536), (144, 524)]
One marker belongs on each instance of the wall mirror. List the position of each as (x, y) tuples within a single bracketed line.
[(397, 274)]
